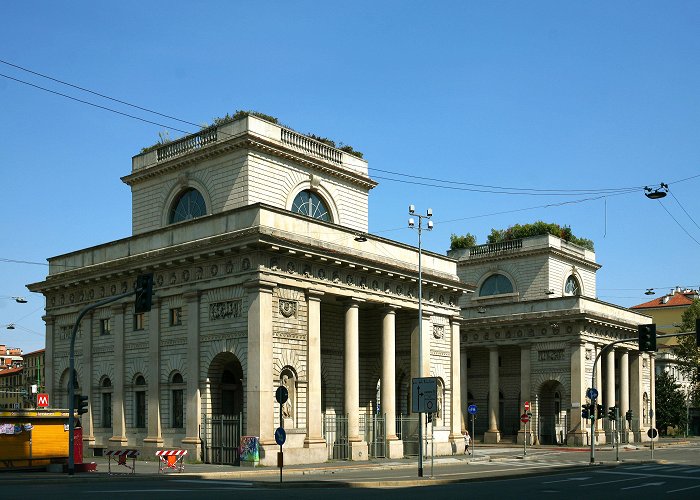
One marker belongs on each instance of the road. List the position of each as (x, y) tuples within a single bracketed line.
[(552, 473)]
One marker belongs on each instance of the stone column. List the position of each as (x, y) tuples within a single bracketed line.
[(388, 381), (637, 396), (118, 418), (464, 390), (599, 434), (455, 386), (314, 426), (577, 434), (493, 435), (86, 386), (192, 441), (154, 439), (48, 358), (259, 386), (358, 447), (609, 394), (624, 394), (525, 369)]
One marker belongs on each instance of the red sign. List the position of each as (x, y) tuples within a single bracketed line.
[(527, 406), (524, 418), (42, 400)]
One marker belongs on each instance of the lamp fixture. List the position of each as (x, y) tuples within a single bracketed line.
[(11, 326), (481, 310), (650, 291), (656, 194), (361, 237), (20, 300)]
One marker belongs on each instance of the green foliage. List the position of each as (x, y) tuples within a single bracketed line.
[(163, 138), (466, 241), (670, 403), (686, 351), (536, 229)]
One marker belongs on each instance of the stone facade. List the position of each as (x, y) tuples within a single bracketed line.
[(250, 295)]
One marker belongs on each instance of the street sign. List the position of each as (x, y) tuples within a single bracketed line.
[(471, 409), (527, 406), (424, 395), (592, 393), (652, 433), (524, 418), (280, 436), (282, 395), (42, 400)]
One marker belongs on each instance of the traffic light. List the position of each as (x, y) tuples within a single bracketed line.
[(601, 412), (81, 404), (628, 415), (585, 412), (647, 337), (430, 417), (611, 413), (144, 293)]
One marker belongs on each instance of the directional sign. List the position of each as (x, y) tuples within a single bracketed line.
[(471, 409), (524, 418), (280, 436), (424, 395), (42, 400), (592, 393)]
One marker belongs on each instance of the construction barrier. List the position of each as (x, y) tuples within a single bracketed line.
[(171, 460), (120, 457)]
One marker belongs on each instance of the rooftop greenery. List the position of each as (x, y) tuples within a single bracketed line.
[(228, 118), (518, 231)]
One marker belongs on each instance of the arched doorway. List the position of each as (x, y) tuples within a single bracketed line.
[(552, 419)]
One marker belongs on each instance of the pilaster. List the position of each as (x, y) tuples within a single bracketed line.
[(118, 417), (314, 425), (154, 437), (493, 435)]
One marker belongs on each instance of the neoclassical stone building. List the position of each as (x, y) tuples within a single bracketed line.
[(264, 276), (532, 331)]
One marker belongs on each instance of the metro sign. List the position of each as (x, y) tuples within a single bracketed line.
[(42, 400)]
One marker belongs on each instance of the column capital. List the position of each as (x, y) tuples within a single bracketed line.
[(48, 319), (259, 285), (525, 345), (313, 294), (493, 348), (458, 320), (390, 308), (351, 301), (191, 295)]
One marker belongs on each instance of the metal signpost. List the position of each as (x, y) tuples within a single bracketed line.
[(525, 418), (472, 409), (652, 433), (281, 395), (423, 400)]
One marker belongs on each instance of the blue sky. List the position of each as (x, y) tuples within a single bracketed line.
[(541, 95)]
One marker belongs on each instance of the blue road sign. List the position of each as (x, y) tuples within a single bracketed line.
[(592, 393), (280, 436), (471, 409)]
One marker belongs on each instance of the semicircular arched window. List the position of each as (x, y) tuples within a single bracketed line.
[(189, 205), (572, 287), (496, 284), (309, 203)]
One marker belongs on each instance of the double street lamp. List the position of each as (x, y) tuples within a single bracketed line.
[(419, 228)]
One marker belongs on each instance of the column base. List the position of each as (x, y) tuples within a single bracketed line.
[(492, 437), (118, 441), (600, 437), (522, 435), (193, 445), (358, 451), (394, 449), (579, 437), (151, 445)]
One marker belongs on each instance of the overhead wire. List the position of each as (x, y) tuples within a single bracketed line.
[(679, 224), (684, 210)]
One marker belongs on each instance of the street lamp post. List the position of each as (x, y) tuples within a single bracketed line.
[(419, 227)]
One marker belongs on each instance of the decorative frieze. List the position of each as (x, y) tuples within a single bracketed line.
[(439, 354), (220, 336), (169, 342), (136, 346), (288, 335), (551, 355), (225, 310)]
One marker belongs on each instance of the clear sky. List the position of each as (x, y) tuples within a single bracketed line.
[(589, 96)]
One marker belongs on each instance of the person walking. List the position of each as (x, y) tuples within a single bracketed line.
[(467, 442)]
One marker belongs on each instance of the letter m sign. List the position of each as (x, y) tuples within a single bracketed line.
[(42, 400)]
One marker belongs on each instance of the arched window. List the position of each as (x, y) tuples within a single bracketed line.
[(189, 205), (106, 390), (496, 284), (572, 287), (178, 402), (309, 203), (140, 402)]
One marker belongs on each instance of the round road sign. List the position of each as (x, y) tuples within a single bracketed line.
[(280, 436), (524, 418), (592, 393), (652, 433), (471, 409), (282, 395)]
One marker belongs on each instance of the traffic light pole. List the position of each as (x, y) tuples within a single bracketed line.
[(71, 383)]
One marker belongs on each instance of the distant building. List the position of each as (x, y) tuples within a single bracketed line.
[(10, 357), (11, 388), (34, 377)]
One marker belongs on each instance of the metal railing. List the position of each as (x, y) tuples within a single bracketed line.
[(489, 248), (187, 144), (312, 146)]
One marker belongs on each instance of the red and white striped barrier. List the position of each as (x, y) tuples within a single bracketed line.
[(171, 459), (120, 457)]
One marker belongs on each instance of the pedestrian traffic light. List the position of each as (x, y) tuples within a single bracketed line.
[(144, 293), (611, 413), (647, 337), (81, 404), (601, 412), (585, 412), (628, 415), (430, 417)]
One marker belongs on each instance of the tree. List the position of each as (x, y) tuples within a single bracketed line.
[(687, 352), (466, 241), (670, 403)]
